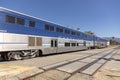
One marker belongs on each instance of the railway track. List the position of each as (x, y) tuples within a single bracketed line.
[(79, 66), (51, 66), (87, 65)]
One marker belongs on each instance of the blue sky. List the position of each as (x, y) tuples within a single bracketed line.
[(100, 16)]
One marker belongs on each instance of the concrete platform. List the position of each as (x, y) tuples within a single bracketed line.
[(112, 65), (4, 69), (68, 66), (54, 65), (88, 60), (72, 67), (92, 69), (80, 76), (53, 75), (101, 61), (21, 72)]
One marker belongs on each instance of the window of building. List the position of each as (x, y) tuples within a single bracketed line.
[(31, 23), (20, 21), (10, 19)]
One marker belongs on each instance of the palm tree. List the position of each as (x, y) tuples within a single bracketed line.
[(89, 32)]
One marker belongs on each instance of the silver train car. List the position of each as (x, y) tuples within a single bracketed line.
[(23, 36)]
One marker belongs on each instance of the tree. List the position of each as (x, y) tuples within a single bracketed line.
[(89, 32), (113, 42), (78, 29)]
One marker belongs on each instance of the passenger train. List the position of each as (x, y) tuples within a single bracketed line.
[(23, 35)]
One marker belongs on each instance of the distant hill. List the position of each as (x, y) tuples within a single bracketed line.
[(115, 38)]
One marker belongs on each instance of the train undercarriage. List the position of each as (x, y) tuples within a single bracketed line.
[(19, 55)]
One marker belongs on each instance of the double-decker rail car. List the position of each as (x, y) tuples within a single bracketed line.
[(22, 36)]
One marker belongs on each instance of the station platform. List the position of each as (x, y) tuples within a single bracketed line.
[(13, 72)]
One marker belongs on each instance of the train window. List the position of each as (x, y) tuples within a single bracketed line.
[(73, 33), (51, 28), (67, 32), (59, 30), (56, 43), (73, 44), (77, 44), (20, 21), (78, 34), (31, 23), (47, 27), (52, 43), (83, 35), (10, 19), (67, 44)]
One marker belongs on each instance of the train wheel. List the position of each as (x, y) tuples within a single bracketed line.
[(39, 53), (17, 56), (11, 56), (34, 53), (4, 56)]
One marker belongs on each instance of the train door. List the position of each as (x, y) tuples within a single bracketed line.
[(84, 43), (54, 45)]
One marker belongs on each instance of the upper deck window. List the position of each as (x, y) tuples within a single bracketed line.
[(59, 30), (51, 28), (10, 19), (48, 27), (20, 21), (73, 33), (78, 34), (31, 23), (67, 31)]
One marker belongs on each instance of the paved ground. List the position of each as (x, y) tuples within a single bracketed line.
[(81, 65)]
